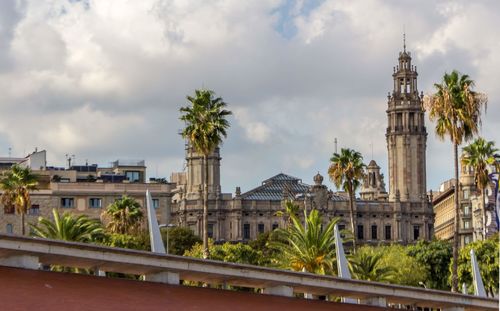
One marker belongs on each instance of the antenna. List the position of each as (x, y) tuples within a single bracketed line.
[(404, 38), (371, 145), (335, 142), (10, 152)]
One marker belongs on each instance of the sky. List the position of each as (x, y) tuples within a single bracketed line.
[(104, 80)]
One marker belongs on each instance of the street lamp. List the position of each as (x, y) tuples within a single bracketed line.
[(167, 226)]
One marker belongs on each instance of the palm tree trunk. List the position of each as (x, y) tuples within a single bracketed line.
[(22, 223), (206, 252), (483, 197), (351, 207), (454, 274)]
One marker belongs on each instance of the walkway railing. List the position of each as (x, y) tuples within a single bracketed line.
[(29, 253)]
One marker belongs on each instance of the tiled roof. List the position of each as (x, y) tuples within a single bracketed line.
[(272, 188), (337, 197)]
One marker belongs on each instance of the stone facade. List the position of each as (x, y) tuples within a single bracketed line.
[(470, 214), (403, 215)]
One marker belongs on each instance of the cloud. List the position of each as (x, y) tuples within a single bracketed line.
[(256, 132), (106, 79)]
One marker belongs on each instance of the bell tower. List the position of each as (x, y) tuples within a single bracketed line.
[(406, 134)]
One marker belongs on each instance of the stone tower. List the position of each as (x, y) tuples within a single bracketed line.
[(406, 135), (373, 186), (196, 172)]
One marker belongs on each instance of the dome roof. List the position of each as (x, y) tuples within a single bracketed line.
[(318, 179)]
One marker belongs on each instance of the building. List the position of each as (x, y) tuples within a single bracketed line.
[(403, 215), (83, 189), (470, 214)]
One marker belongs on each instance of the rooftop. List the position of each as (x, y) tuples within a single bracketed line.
[(272, 189)]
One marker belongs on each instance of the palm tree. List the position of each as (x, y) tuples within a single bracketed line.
[(16, 185), (290, 208), (124, 216), (206, 125), (456, 108), (346, 171), (480, 155), (68, 228), (306, 247), (369, 267)]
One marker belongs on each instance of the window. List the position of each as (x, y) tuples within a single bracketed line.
[(360, 232), (132, 176), (466, 224), (416, 232), (210, 231), (9, 209), (467, 239), (399, 121), (388, 232), (95, 202), (341, 228), (9, 229), (374, 232), (466, 210), (67, 202), (260, 228), (246, 231), (156, 203), (34, 210), (466, 194), (275, 226)]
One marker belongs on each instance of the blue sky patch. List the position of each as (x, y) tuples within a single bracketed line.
[(288, 10)]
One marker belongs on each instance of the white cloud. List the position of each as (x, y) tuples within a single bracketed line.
[(106, 80), (255, 131)]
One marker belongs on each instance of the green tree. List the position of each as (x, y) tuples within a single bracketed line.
[(307, 247), (206, 126), (435, 256), (289, 208), (487, 252), (346, 171), (228, 252), (139, 241), (16, 186), (68, 228), (262, 244), (180, 239), (124, 216), (480, 155), (407, 270), (367, 265), (456, 108)]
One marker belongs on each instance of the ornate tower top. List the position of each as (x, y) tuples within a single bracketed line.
[(373, 187), (318, 179)]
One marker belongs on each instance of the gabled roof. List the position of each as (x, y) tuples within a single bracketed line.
[(272, 189)]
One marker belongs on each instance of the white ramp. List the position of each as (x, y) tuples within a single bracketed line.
[(476, 275), (154, 230), (342, 266)]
